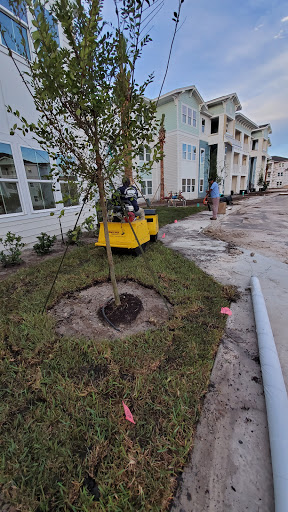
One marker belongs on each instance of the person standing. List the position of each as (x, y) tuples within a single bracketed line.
[(215, 197)]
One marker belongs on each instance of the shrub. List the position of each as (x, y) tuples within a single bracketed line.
[(73, 236), (45, 243), (89, 224), (12, 249)]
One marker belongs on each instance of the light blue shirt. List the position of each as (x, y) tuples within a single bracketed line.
[(214, 190)]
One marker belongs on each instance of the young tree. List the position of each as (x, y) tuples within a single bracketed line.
[(93, 117)]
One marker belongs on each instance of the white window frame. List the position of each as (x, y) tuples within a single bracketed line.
[(14, 180), (24, 25), (188, 183), (188, 115), (40, 181), (201, 185), (203, 125), (145, 155), (194, 153), (145, 186), (202, 156)]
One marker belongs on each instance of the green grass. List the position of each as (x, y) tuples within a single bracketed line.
[(62, 416), (168, 215)]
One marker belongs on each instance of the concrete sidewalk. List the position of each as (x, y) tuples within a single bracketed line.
[(230, 468)]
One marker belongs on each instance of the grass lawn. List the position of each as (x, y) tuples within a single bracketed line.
[(65, 443), (167, 215)]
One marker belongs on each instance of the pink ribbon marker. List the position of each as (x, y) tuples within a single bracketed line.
[(163, 236), (175, 221), (128, 413), (226, 311)]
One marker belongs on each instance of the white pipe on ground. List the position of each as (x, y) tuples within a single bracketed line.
[(275, 396)]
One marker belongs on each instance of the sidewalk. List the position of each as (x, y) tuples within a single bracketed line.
[(230, 467)]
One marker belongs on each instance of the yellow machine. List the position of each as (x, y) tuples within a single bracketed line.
[(122, 237)]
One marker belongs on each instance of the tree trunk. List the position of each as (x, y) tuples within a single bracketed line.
[(100, 184)]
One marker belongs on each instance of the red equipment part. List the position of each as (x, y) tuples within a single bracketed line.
[(131, 217)]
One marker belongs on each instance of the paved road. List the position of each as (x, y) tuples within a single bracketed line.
[(230, 467)]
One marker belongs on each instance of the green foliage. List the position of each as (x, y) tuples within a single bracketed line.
[(89, 87), (45, 244), (11, 255), (73, 236), (260, 181), (89, 224)]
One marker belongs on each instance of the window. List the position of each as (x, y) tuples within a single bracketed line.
[(201, 185), (202, 156), (145, 154), (194, 118), (9, 195), (188, 152), (214, 125), (70, 194), (203, 125), (53, 27), (188, 185), (281, 173), (269, 174), (146, 187), (278, 174), (184, 114), (255, 144), (15, 36), (184, 151), (189, 116), (19, 11), (37, 168)]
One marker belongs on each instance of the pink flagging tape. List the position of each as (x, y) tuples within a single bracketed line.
[(128, 413), (175, 221), (163, 236), (226, 311)]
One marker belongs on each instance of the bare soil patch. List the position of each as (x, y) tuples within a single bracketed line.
[(79, 315)]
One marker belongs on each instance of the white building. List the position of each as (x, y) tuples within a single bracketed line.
[(277, 172), (27, 197)]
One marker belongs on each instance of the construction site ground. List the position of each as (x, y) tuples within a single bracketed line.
[(230, 466)]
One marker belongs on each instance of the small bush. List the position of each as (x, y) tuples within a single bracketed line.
[(12, 249), (73, 236), (45, 243), (89, 224)]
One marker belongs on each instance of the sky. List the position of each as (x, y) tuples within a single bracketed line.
[(223, 47)]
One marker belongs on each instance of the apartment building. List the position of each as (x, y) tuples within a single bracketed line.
[(277, 172), (186, 160), (27, 195), (208, 137)]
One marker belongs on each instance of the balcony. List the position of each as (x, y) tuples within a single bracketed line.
[(234, 142)]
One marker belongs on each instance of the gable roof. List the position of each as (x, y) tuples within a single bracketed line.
[(233, 96), (245, 120), (165, 98)]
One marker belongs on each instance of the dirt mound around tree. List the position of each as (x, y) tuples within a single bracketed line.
[(80, 314)]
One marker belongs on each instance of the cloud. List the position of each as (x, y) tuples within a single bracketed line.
[(280, 35), (259, 26), (284, 19)]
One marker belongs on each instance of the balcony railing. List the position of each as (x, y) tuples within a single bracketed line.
[(232, 140)]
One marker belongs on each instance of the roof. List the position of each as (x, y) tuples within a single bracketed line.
[(233, 96), (263, 126), (165, 98), (279, 158), (245, 120)]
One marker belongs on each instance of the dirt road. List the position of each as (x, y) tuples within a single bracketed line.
[(230, 468)]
